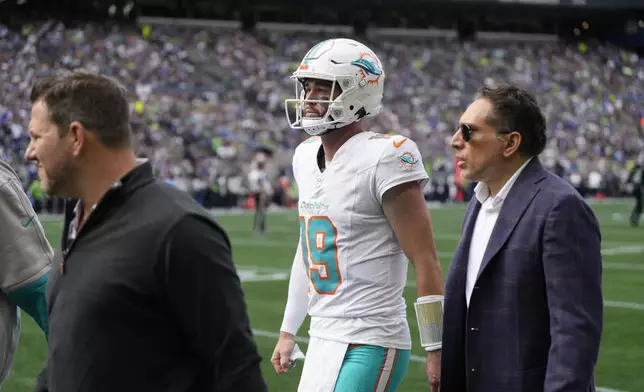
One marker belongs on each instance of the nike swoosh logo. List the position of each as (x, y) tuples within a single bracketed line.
[(399, 142), (27, 221)]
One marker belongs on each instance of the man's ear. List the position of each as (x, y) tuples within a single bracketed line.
[(512, 143), (78, 135)]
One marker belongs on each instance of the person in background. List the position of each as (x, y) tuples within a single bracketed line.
[(635, 186), (260, 185)]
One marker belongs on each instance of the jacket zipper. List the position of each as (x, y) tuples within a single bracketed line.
[(84, 228)]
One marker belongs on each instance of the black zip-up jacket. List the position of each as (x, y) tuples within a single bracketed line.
[(147, 298)]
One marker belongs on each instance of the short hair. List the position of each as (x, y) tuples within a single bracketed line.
[(515, 110), (96, 101)]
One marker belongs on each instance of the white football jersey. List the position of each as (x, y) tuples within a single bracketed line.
[(357, 270)]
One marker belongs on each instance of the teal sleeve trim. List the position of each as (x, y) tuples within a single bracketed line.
[(32, 299)]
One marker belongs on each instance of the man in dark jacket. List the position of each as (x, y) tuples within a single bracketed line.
[(143, 295), (523, 305)]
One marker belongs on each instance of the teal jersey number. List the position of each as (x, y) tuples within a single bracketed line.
[(320, 253)]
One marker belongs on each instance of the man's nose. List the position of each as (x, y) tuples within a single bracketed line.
[(310, 95), (457, 140), (29, 155)]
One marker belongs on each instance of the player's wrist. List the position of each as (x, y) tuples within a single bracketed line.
[(429, 315), (286, 335)]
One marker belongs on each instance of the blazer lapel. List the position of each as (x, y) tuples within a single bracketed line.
[(515, 204)]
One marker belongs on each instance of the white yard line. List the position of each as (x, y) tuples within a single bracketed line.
[(624, 266), (413, 358), (624, 250), (303, 340), (269, 243), (624, 305), (246, 275), (266, 243), (244, 234), (259, 274)]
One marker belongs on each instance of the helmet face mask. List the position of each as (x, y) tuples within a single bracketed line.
[(334, 112), (353, 70)]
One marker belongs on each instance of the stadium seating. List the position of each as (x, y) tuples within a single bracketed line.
[(203, 101)]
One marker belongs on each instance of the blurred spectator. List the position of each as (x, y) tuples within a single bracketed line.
[(204, 101)]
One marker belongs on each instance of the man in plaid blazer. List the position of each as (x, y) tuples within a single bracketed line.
[(523, 301)]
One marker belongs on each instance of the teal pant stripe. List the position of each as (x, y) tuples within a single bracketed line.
[(31, 299), (372, 369)]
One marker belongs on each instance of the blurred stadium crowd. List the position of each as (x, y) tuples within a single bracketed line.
[(205, 102)]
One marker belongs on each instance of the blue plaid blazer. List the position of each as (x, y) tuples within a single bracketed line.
[(535, 317)]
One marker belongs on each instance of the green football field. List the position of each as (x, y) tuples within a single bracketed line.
[(264, 262)]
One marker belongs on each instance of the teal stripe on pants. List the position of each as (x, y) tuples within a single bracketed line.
[(366, 368)]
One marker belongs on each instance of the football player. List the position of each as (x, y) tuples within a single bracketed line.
[(362, 215)]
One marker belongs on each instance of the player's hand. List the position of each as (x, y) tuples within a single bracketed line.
[(434, 369), (281, 358)]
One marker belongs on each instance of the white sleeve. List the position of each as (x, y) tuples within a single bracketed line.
[(399, 163), (26, 253), (298, 297)]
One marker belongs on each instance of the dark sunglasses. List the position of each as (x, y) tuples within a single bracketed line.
[(466, 131)]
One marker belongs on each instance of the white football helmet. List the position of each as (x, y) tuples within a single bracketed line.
[(350, 66)]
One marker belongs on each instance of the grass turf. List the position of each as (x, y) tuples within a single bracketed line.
[(264, 262)]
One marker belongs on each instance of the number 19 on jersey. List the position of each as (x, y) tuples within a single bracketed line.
[(320, 253)]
